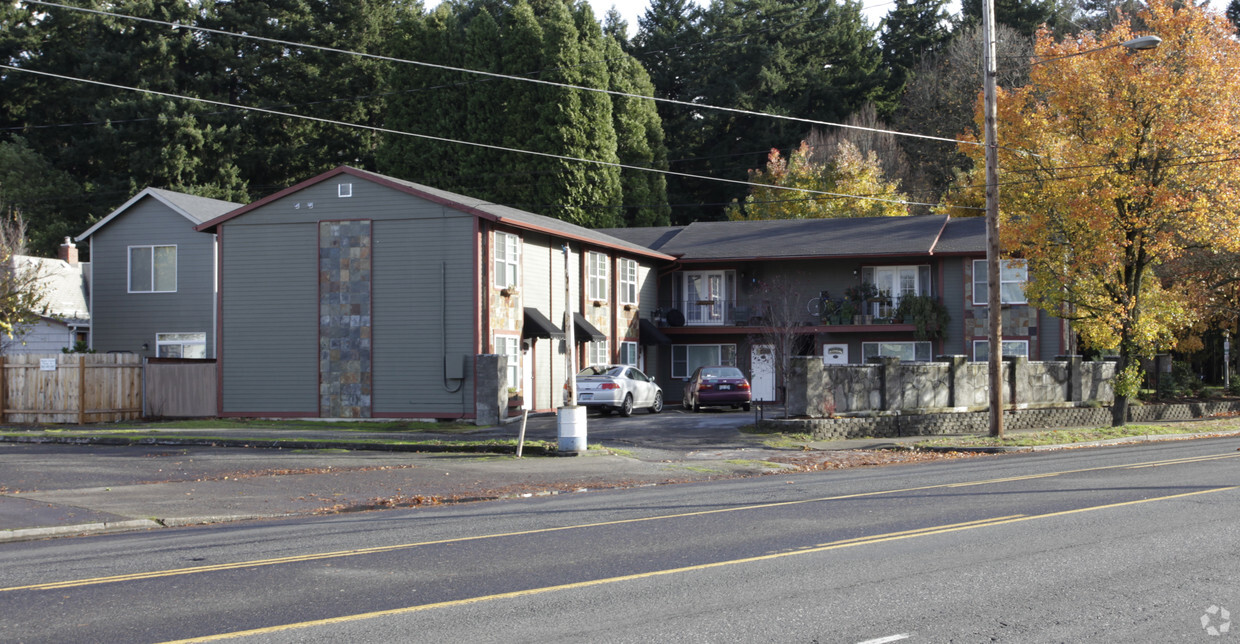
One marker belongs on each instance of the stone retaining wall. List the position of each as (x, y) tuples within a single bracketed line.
[(890, 425)]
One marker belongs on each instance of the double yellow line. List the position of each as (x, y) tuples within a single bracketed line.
[(834, 545), (256, 563)]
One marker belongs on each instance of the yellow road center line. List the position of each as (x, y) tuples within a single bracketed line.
[(256, 563), (344, 619)]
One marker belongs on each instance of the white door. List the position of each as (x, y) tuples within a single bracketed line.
[(705, 300), (835, 354), (527, 378), (762, 378)]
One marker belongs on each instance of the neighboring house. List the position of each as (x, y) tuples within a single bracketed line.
[(716, 299), (353, 294), (153, 276), (65, 320)]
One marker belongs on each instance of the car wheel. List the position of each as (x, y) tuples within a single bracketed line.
[(658, 403), (745, 406), (626, 408)]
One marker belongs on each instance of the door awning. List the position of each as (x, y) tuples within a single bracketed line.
[(538, 326), (586, 331), (650, 334)]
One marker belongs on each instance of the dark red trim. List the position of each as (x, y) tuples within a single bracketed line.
[(219, 322), (445, 202)]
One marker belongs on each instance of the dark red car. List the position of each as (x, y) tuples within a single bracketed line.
[(716, 387)]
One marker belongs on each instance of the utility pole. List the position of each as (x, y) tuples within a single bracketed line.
[(994, 301)]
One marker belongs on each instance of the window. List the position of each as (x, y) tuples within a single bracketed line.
[(628, 353), (1012, 277), (905, 351), (895, 282), (507, 260), (686, 358), (596, 276), (596, 353), (152, 269), (510, 346), (627, 270), (181, 345), (981, 349)]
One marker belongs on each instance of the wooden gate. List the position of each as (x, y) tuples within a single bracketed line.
[(178, 388), (70, 388)]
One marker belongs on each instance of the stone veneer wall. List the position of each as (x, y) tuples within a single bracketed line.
[(891, 425)]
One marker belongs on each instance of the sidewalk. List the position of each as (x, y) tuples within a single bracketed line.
[(95, 485)]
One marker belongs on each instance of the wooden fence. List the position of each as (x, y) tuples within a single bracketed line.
[(70, 388), (180, 388)]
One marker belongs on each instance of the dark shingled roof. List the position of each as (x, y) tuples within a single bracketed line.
[(868, 237), (652, 237), (963, 235)]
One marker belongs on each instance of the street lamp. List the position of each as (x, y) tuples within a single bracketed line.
[(990, 118)]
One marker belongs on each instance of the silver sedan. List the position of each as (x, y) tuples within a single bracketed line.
[(618, 388)]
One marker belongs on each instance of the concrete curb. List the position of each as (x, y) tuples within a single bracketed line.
[(1146, 438), (27, 534), (283, 443)]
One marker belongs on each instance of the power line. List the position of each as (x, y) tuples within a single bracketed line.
[(287, 43), (383, 130)]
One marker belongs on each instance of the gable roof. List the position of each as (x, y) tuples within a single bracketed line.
[(797, 238), (477, 207), (64, 286), (195, 209), (963, 236), (652, 237)]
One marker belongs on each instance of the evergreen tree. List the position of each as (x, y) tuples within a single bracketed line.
[(113, 142), (274, 151), (550, 40), (913, 29), (1025, 16), (45, 197), (1233, 13), (814, 59), (639, 137)]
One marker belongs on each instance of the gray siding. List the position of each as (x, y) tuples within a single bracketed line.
[(269, 352), (954, 293), (538, 265), (423, 306), (270, 293), (123, 321)]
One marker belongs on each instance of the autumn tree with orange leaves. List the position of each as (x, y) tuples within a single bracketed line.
[(1114, 164)]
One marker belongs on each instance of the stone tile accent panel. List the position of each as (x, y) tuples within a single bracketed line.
[(344, 319)]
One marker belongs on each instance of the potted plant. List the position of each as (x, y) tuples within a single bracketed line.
[(515, 400), (928, 316), (848, 312), (861, 295)]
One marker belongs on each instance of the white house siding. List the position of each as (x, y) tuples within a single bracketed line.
[(537, 265), (124, 321), (44, 337)]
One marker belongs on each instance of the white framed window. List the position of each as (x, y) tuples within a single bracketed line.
[(905, 351), (628, 353), (181, 345), (627, 274), (596, 353), (152, 269), (507, 260), (344, 190), (895, 282), (1013, 273), (981, 349), (686, 358), (596, 277), (510, 346)]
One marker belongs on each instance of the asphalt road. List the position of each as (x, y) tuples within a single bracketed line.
[(1133, 544)]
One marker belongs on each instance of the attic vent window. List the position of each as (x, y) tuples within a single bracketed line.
[(344, 190)]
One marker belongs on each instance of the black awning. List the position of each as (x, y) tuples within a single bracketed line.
[(586, 331), (650, 334), (538, 326)]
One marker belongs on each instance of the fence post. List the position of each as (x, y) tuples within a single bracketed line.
[(4, 389), (82, 389)]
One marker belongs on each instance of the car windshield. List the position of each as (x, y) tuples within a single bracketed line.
[(601, 370), (722, 372)]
